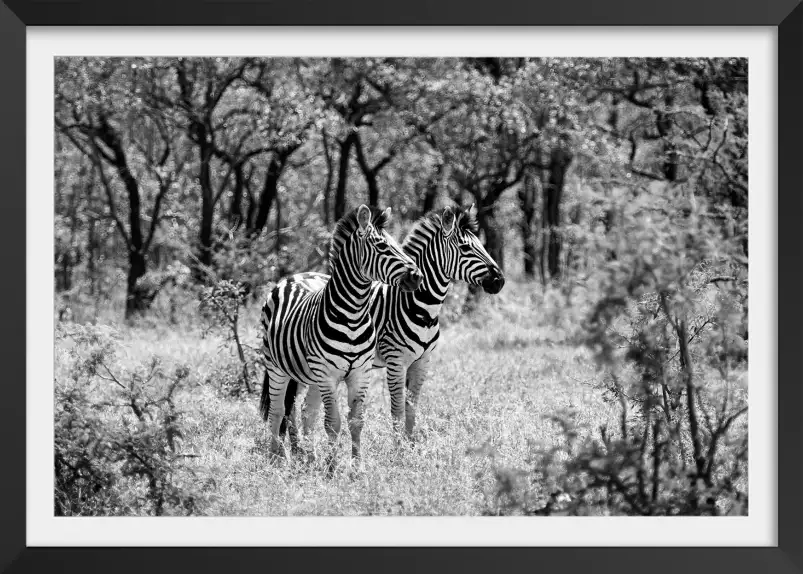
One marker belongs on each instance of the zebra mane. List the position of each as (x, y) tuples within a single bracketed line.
[(348, 225), (432, 221)]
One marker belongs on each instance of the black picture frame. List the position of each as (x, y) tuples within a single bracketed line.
[(15, 15)]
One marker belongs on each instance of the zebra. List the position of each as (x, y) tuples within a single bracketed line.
[(318, 330), (446, 248)]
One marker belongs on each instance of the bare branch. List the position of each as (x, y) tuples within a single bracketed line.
[(110, 198)]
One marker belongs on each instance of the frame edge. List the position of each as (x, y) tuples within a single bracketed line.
[(790, 285), (12, 213)]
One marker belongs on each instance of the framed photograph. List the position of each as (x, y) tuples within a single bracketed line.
[(346, 276)]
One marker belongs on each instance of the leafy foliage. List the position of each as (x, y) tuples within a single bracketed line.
[(118, 434), (223, 302), (667, 328), (620, 182)]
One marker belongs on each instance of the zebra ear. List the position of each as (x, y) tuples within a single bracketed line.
[(472, 211), (363, 217), (447, 221), (386, 215)]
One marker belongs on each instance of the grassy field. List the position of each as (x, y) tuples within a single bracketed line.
[(496, 378)]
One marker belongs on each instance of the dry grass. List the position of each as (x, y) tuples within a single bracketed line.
[(495, 379)]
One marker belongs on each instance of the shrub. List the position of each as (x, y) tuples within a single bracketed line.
[(667, 330), (222, 303), (117, 433)]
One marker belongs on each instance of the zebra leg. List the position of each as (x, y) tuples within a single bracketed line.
[(277, 389), (357, 384), (416, 375), (312, 406), (288, 424), (396, 374), (328, 392)]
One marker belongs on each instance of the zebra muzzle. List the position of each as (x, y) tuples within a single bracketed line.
[(493, 281), (411, 280)]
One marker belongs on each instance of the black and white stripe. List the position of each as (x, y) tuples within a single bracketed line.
[(318, 330), (446, 248)]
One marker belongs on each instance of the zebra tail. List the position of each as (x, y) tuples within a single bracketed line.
[(289, 402), (264, 402)]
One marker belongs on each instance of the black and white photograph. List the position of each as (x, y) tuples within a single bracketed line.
[(400, 286)]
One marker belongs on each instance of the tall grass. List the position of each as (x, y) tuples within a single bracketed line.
[(497, 378)]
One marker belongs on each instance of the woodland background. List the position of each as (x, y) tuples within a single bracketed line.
[(612, 191)]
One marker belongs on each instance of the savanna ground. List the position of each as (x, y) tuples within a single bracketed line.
[(498, 377)]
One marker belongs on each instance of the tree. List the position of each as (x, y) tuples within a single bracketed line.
[(569, 139), (549, 90), (287, 112), (352, 101), (487, 143), (527, 194), (99, 111), (684, 119), (191, 102)]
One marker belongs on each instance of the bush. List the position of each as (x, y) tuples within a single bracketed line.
[(117, 433), (668, 333), (222, 303), (254, 262)]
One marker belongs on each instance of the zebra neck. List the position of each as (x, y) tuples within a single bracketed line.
[(429, 298), (345, 297)]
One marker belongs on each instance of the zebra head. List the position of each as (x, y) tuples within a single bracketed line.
[(465, 258), (381, 257)]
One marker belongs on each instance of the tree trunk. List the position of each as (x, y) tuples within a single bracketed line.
[(486, 221), (368, 173), (664, 124), (327, 190), (373, 189), (343, 174), (544, 173), (431, 191), (250, 214), (235, 208), (207, 198), (553, 192), (64, 273), (494, 238), (269, 192), (280, 259), (132, 188), (670, 165), (91, 248), (136, 297), (573, 262), (527, 194)]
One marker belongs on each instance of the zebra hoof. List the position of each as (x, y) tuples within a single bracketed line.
[(330, 465), (302, 454), (356, 469), (406, 438), (276, 460), (276, 454)]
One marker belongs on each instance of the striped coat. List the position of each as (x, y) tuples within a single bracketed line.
[(445, 247), (318, 330)]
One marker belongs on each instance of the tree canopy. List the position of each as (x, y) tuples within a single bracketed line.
[(206, 161)]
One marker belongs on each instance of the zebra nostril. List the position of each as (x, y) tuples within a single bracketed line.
[(493, 281), (411, 280)]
